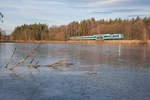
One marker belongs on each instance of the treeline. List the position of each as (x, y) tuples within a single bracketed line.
[(30, 32), (133, 29)]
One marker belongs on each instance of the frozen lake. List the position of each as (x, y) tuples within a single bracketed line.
[(98, 72)]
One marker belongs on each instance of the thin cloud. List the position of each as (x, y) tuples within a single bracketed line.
[(42, 2), (123, 10), (30, 4), (114, 3), (101, 12), (101, 3)]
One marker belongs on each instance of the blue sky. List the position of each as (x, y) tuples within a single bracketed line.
[(58, 12)]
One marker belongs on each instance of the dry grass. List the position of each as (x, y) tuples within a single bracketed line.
[(82, 41)]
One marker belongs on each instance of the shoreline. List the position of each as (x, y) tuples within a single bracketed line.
[(80, 41)]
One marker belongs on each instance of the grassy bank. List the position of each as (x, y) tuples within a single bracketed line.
[(80, 41)]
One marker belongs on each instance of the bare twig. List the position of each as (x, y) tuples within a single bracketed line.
[(26, 57), (10, 59), (57, 69), (36, 65), (33, 57), (58, 62)]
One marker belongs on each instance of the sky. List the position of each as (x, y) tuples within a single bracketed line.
[(59, 12)]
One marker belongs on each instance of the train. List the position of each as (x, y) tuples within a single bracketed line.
[(99, 37), (112, 36)]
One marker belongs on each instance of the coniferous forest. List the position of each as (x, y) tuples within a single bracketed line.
[(133, 29)]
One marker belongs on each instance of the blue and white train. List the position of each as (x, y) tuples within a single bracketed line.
[(99, 36)]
